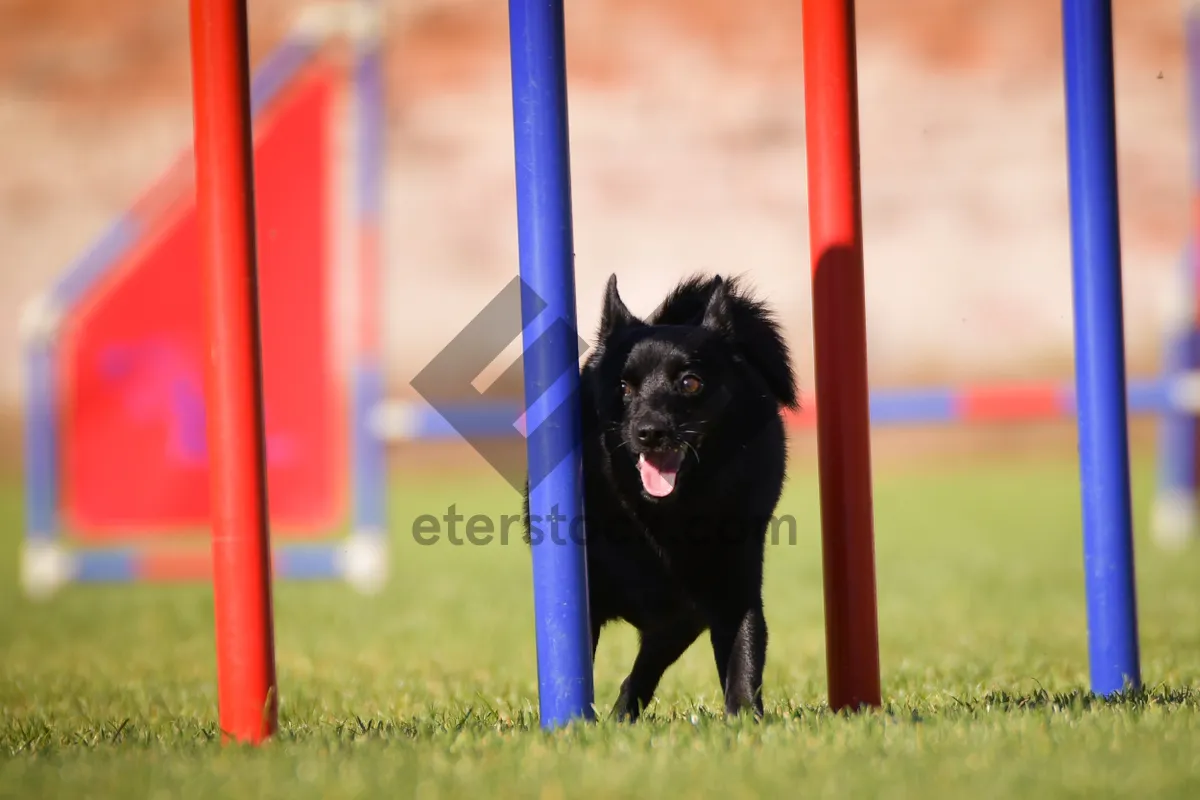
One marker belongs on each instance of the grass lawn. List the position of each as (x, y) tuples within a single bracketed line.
[(429, 688)]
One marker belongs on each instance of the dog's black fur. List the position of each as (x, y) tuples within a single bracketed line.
[(705, 375)]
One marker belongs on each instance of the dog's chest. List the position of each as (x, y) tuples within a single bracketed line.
[(644, 574)]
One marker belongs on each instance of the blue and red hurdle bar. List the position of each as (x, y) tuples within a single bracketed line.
[(1101, 397)]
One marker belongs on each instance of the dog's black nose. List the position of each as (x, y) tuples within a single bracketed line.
[(651, 435)]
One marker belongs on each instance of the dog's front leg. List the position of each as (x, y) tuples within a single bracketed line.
[(660, 648), (739, 640)]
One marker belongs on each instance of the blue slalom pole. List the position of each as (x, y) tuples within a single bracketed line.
[(551, 359), (1099, 346)]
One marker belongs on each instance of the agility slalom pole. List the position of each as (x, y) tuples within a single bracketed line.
[(247, 691), (551, 356), (840, 343), (1100, 346)]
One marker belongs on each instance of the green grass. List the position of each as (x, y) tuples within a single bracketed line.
[(429, 688)]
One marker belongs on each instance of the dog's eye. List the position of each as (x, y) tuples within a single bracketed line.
[(690, 384), (626, 389)]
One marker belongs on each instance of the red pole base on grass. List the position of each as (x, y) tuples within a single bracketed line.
[(840, 341), (233, 382)]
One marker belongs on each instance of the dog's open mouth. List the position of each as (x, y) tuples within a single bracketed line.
[(659, 471)]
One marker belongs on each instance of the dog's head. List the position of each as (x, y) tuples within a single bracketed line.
[(708, 364)]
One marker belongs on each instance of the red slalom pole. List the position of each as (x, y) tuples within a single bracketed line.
[(840, 341), (247, 695)]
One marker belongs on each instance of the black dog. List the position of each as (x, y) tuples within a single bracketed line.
[(684, 459)]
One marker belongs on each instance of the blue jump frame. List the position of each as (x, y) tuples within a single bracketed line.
[(50, 559)]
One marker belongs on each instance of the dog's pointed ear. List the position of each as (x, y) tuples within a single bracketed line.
[(718, 314), (614, 315)]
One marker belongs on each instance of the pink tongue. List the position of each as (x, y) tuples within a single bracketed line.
[(658, 472)]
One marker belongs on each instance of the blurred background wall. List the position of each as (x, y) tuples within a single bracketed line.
[(688, 153)]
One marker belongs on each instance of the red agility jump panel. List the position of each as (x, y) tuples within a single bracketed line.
[(132, 362)]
